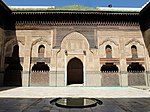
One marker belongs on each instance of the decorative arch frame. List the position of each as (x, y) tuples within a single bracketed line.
[(82, 35), (75, 57), (134, 41), (109, 40), (40, 40), (112, 43), (12, 42)]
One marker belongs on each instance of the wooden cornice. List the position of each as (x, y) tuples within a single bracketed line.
[(43, 25), (32, 20)]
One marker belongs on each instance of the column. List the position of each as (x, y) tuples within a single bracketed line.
[(65, 68), (84, 68), (26, 65), (123, 79)]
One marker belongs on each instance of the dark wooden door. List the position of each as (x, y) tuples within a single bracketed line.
[(74, 72)]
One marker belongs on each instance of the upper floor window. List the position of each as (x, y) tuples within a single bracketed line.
[(108, 50), (41, 51), (134, 51)]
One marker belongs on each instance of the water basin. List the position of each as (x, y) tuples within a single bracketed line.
[(76, 102)]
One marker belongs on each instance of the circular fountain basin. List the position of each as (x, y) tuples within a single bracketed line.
[(76, 102)]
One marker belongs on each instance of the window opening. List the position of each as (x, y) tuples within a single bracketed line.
[(134, 51), (41, 51), (108, 50)]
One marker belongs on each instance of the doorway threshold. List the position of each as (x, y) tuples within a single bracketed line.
[(75, 85)]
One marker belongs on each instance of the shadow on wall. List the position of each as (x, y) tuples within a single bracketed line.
[(145, 26), (13, 68)]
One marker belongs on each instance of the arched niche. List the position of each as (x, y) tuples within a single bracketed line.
[(134, 50), (114, 48), (139, 47), (74, 41), (35, 48)]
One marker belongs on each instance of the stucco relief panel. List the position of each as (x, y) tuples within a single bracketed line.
[(41, 41), (113, 42), (138, 43), (74, 41)]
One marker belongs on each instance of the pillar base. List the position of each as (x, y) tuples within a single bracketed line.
[(25, 79)]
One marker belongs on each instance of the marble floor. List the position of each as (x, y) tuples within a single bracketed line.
[(92, 92), (37, 99), (43, 105)]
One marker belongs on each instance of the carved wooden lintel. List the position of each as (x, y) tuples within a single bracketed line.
[(75, 52)]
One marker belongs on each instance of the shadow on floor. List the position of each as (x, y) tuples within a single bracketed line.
[(6, 88), (43, 105)]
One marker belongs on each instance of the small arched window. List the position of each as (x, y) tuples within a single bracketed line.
[(41, 51), (134, 51), (108, 50)]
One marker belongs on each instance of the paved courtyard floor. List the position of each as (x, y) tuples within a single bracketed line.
[(37, 99)]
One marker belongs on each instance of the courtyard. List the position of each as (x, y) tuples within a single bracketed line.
[(37, 99)]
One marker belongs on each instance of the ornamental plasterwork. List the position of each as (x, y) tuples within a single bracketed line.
[(134, 41), (40, 40), (109, 40), (13, 42)]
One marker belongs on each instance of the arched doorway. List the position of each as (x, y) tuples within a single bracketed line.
[(75, 72)]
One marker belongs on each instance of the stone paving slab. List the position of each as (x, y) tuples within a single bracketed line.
[(54, 92), (43, 105), (37, 99)]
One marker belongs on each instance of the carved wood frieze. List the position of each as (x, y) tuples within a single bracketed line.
[(31, 25), (109, 60), (28, 20), (37, 59), (135, 60)]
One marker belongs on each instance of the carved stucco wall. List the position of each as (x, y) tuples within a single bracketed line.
[(37, 43), (74, 41), (62, 32)]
